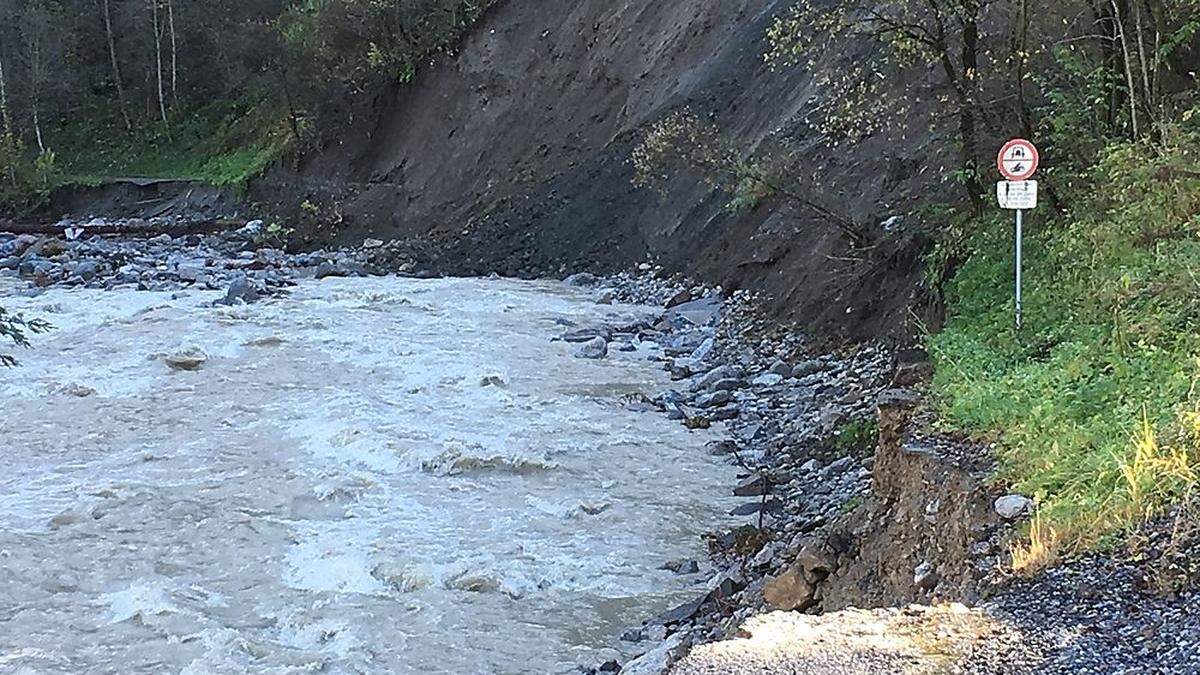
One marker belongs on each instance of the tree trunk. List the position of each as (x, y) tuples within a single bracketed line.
[(37, 127), (1021, 54), (158, 64), (1119, 22), (116, 67), (1147, 87), (968, 128), (37, 77), (174, 55), (6, 133)]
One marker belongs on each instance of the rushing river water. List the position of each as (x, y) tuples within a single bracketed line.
[(374, 475)]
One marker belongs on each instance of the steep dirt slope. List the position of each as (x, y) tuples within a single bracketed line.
[(515, 154)]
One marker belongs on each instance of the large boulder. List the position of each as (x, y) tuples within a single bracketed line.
[(790, 591), (241, 291), (657, 661)]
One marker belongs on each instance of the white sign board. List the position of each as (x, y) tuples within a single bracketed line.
[(1017, 195)]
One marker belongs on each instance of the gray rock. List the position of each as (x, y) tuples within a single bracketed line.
[(727, 384), (714, 399), (765, 556), (582, 280), (807, 368), (925, 576), (767, 380), (596, 348), (702, 312), (657, 661), (830, 417), (1012, 507), (338, 269), (251, 230), (781, 369), (191, 359), (241, 291), (587, 334), (682, 566), (703, 351), (754, 486), (713, 376), (838, 467)]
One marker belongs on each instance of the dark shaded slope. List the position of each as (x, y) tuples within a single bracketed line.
[(514, 156)]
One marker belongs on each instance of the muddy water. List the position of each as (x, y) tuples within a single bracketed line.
[(367, 476)]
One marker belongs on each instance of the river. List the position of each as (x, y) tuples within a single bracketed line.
[(368, 475)]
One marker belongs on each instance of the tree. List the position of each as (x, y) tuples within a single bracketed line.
[(157, 26), (10, 148), (41, 51), (945, 35), (116, 66)]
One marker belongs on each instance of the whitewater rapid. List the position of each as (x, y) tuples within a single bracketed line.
[(368, 475)]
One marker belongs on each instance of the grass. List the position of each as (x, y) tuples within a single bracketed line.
[(1095, 400), (224, 143)]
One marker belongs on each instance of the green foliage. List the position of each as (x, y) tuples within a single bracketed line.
[(858, 101), (224, 143), (1096, 399), (749, 192), (15, 328), (683, 143), (25, 183), (356, 42), (851, 504), (857, 439), (275, 235)]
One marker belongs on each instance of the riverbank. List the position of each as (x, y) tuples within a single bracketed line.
[(853, 498)]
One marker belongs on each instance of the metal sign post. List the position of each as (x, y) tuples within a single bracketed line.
[(1020, 214), (1018, 161)]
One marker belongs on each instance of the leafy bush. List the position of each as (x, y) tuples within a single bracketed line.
[(683, 143)]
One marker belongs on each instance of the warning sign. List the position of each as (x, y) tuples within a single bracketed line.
[(1018, 160), (1017, 195)]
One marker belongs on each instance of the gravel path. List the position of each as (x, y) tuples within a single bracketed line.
[(911, 641)]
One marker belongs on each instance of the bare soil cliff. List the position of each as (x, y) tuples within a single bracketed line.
[(513, 155)]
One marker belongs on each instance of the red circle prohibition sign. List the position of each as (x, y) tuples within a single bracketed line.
[(1018, 160)]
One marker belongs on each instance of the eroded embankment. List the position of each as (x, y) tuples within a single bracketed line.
[(513, 155)]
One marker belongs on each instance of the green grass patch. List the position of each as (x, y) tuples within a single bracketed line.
[(223, 143), (1095, 400)]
